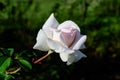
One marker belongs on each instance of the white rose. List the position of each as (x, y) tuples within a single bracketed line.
[(64, 38)]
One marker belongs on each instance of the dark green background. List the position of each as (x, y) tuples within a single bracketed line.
[(20, 21)]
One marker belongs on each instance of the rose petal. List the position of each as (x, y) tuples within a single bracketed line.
[(75, 57), (52, 44), (49, 25), (58, 47), (77, 37), (68, 24), (64, 56), (69, 36), (41, 43), (57, 38), (80, 43)]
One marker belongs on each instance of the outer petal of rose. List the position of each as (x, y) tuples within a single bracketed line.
[(64, 57), (68, 24), (41, 43), (50, 24), (80, 43), (58, 47), (75, 57)]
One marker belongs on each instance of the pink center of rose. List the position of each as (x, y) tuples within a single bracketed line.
[(68, 35)]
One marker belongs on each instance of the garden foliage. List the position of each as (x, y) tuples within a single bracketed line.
[(20, 20)]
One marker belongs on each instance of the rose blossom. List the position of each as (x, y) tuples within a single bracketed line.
[(64, 38)]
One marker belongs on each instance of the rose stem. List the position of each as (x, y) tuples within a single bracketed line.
[(41, 58)]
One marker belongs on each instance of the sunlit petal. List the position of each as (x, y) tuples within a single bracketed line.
[(50, 24), (64, 57), (80, 43), (58, 47), (41, 43), (68, 24), (75, 57)]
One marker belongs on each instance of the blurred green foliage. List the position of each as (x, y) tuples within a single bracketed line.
[(20, 20), (11, 63)]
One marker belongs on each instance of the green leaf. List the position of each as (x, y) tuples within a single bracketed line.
[(8, 51), (4, 63), (25, 64), (11, 51), (24, 55), (5, 76), (2, 59), (1, 54), (2, 76), (8, 77)]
